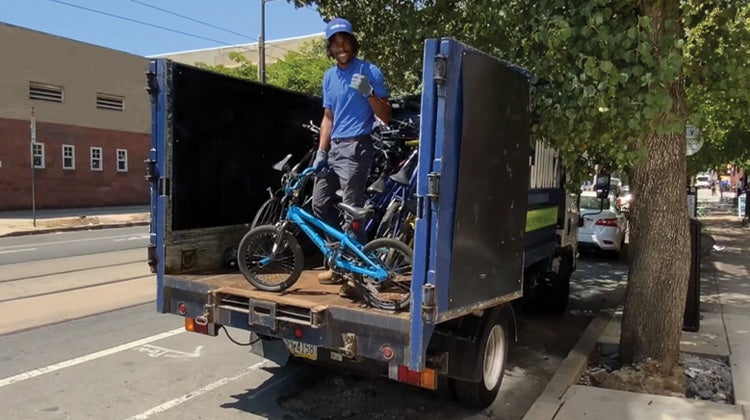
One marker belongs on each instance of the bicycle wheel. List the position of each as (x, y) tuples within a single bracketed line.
[(385, 228), (396, 258), (270, 212), (278, 273)]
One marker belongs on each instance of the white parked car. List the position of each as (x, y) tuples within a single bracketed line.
[(702, 181), (603, 226)]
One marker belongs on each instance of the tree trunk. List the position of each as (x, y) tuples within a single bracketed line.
[(659, 251)]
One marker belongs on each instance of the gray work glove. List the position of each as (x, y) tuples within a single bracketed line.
[(361, 85), (321, 160)]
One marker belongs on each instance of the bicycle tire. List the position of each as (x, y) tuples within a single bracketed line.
[(287, 266), (270, 212), (395, 293), (385, 226)]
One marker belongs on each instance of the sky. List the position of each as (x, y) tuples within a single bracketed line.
[(206, 23)]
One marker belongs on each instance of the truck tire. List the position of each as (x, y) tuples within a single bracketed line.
[(556, 295), (552, 290), (493, 348)]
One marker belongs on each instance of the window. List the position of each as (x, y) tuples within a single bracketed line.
[(45, 92), (111, 102), (37, 150), (122, 160), (96, 158), (68, 156)]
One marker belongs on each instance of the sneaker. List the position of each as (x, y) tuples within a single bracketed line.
[(349, 290), (329, 277)]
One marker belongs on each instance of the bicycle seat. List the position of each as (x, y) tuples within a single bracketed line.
[(401, 177), (357, 213), (377, 187)]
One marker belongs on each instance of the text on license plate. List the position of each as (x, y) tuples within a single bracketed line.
[(300, 349)]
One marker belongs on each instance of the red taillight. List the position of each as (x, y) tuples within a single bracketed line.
[(387, 352), (425, 379), (182, 308), (606, 222), (356, 225), (298, 333)]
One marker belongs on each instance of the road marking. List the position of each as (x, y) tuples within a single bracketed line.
[(18, 250), (87, 358), (132, 238), (70, 241), (190, 395), (156, 351)]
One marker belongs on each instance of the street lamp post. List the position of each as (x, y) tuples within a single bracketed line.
[(262, 43), (31, 146)]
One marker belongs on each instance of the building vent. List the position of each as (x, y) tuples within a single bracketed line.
[(45, 92), (111, 102)]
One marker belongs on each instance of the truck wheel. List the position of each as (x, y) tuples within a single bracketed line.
[(551, 293), (494, 351), (556, 295)]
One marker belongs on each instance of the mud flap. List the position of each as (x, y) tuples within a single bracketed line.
[(272, 349)]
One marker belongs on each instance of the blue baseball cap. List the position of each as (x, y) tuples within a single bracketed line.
[(338, 25)]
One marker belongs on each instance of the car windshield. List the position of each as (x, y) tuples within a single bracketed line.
[(593, 203), (702, 178)]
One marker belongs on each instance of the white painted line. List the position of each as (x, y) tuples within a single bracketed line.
[(70, 241), (190, 395), (87, 358), (18, 250)]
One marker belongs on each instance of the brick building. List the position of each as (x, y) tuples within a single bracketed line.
[(93, 123)]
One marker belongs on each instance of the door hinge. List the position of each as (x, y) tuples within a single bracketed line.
[(152, 86), (439, 69), (429, 305), (164, 186), (151, 170), (153, 258), (433, 185)]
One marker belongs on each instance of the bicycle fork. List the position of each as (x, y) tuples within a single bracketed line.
[(277, 245)]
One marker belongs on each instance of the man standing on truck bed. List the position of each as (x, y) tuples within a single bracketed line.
[(354, 93)]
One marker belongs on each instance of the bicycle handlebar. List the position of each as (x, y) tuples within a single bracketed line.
[(296, 180)]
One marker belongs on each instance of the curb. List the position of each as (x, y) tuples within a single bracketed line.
[(72, 229), (549, 402)]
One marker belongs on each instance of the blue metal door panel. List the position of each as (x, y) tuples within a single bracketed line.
[(446, 66), (439, 119), (158, 91)]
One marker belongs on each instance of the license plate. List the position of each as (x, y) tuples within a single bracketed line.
[(304, 350)]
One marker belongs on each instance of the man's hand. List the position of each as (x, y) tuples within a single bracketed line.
[(361, 84), (321, 161)]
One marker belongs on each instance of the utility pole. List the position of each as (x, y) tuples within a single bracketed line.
[(262, 44), (33, 172)]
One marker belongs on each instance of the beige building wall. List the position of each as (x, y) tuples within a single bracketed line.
[(275, 50), (82, 70)]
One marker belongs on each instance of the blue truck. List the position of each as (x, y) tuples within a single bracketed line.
[(494, 224)]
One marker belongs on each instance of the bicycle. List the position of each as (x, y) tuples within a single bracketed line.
[(271, 259), (273, 208)]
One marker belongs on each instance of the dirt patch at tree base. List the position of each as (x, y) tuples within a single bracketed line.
[(694, 376)]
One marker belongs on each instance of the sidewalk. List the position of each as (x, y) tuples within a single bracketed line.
[(724, 333), (21, 222)]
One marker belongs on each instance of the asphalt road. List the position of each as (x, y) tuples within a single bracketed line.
[(82, 340), (65, 244)]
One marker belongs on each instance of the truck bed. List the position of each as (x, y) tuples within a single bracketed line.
[(306, 293)]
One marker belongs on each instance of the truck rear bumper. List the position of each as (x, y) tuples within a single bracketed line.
[(304, 314)]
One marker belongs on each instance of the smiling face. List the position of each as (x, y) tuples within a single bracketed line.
[(342, 47)]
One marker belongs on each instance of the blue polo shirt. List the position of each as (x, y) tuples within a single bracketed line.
[(352, 113)]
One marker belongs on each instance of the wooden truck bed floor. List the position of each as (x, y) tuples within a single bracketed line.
[(307, 292)]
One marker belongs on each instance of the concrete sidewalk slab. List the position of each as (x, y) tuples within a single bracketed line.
[(586, 402), (20, 223), (738, 328)]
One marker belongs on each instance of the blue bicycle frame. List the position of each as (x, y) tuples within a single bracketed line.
[(304, 219)]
